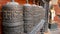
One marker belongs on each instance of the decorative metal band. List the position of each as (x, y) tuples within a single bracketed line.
[(12, 15)]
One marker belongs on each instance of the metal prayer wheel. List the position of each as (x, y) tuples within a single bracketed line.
[(28, 18), (12, 18), (38, 14), (13, 30), (12, 14), (32, 16)]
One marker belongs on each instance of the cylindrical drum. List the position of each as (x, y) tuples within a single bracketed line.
[(38, 14), (32, 16), (13, 30), (28, 18), (13, 18)]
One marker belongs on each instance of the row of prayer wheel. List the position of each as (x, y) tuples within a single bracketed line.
[(20, 19)]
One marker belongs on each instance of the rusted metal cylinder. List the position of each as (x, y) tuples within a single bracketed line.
[(12, 18)]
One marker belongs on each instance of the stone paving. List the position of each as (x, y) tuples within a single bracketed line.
[(57, 31)]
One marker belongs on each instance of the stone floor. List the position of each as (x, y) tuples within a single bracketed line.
[(57, 31)]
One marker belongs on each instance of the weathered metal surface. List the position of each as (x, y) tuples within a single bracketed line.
[(32, 16), (38, 14), (38, 27), (12, 14), (12, 30), (12, 18), (27, 17)]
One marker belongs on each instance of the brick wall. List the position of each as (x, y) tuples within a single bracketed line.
[(57, 18)]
